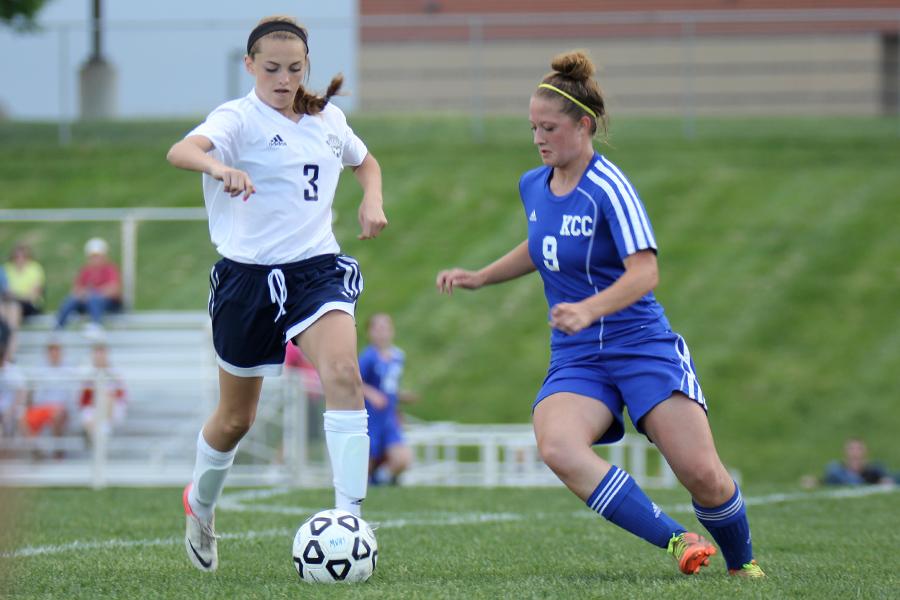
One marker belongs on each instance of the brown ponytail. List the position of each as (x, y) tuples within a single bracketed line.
[(309, 103)]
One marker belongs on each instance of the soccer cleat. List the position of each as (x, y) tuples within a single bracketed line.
[(692, 551), (750, 570), (199, 538)]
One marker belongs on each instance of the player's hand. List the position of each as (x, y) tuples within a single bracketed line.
[(453, 278), (371, 218), (376, 398), (570, 318), (236, 182)]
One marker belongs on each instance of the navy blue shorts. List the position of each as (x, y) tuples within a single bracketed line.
[(636, 374), (257, 309)]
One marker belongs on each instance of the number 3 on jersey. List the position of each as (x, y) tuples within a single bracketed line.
[(311, 193), (549, 248)]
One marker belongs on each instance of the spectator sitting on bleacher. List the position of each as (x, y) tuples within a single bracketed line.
[(97, 289), (13, 387), (26, 285), (5, 302), (53, 397), (113, 385)]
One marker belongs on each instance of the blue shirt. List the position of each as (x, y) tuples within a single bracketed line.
[(383, 374), (578, 243)]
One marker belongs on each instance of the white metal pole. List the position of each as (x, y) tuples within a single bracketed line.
[(64, 133), (101, 408), (129, 261)]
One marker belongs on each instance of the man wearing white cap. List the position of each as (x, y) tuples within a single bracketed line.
[(97, 289)]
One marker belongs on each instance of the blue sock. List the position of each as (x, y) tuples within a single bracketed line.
[(620, 500), (729, 527)]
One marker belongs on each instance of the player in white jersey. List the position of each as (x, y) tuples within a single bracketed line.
[(590, 239), (270, 164)]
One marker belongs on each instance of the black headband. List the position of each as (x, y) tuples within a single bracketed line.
[(272, 26)]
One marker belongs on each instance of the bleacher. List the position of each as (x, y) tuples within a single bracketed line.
[(167, 364)]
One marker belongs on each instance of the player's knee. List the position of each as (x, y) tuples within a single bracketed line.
[(401, 459), (343, 376), (708, 480), (236, 426), (557, 453)]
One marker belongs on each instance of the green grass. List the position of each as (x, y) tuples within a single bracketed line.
[(778, 256), (531, 543)]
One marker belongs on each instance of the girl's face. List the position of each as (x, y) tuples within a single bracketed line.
[(559, 139), (381, 331), (279, 68)]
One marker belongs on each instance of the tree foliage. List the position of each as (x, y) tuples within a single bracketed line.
[(19, 14)]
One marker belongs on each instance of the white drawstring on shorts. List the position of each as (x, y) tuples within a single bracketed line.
[(278, 290)]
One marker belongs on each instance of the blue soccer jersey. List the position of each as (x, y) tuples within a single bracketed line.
[(383, 374), (578, 243)]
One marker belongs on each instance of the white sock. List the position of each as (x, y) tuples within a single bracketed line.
[(347, 438), (210, 470)]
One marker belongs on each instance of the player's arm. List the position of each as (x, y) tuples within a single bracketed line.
[(407, 397), (371, 209), (374, 396), (192, 154), (513, 264), (641, 276)]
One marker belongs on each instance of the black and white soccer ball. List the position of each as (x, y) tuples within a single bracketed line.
[(335, 546)]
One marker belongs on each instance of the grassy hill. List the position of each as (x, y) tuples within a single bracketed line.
[(779, 258)]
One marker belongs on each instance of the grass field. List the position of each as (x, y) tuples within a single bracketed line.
[(445, 543), (779, 259)]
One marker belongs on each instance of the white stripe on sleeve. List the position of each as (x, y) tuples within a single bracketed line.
[(640, 208), (617, 206)]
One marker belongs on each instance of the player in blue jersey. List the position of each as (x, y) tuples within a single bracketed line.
[(381, 366), (271, 162), (590, 239)]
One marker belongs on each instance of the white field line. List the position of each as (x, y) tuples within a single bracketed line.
[(451, 519)]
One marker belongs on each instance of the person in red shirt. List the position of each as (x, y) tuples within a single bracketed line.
[(97, 289)]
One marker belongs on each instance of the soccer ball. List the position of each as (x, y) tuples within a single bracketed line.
[(335, 546)]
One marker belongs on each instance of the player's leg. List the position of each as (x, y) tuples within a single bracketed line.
[(330, 344), (398, 455), (566, 425), (69, 306), (216, 448), (680, 429), (399, 459), (218, 440)]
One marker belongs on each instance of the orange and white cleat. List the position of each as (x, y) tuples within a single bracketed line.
[(750, 570), (199, 538), (692, 551)]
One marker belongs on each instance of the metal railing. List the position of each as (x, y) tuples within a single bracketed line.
[(128, 219)]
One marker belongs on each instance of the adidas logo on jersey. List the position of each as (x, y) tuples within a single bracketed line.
[(277, 141), (533, 217)]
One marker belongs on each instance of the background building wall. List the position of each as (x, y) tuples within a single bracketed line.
[(172, 58)]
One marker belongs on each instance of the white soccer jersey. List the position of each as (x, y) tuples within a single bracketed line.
[(295, 169)]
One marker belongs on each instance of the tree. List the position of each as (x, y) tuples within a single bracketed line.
[(19, 14)]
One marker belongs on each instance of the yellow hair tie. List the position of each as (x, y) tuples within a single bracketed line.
[(570, 97)]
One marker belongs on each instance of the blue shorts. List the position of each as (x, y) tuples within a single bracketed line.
[(636, 374), (257, 309), (384, 432)]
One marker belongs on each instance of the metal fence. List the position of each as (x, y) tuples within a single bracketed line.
[(687, 64)]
